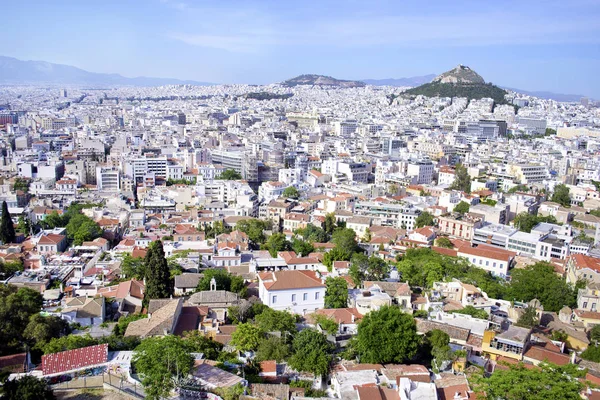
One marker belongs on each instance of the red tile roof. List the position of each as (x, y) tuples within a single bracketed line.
[(284, 280), (582, 261), (74, 359)]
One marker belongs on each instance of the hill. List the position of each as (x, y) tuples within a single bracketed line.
[(460, 82), (412, 81), (14, 71), (321, 80)]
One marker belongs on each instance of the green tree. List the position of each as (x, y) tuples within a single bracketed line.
[(21, 184), (520, 383), (124, 321), (17, 305), (386, 335), (159, 284), (133, 267), (525, 221), (311, 352), (246, 337), (592, 353), (221, 276), (345, 241), (161, 361), (276, 321), (440, 351), (24, 225), (595, 334), (462, 207), (276, 243), (8, 269), (313, 234), (462, 180), (538, 281), (273, 348), (330, 223), (472, 311), (528, 319), (424, 219), (336, 295), (326, 323), (358, 268), (291, 192), (231, 392), (198, 343), (444, 242), (40, 330), (301, 247), (230, 175), (367, 236), (27, 388), (7, 228), (54, 220), (377, 269), (561, 195), (254, 228), (69, 342)]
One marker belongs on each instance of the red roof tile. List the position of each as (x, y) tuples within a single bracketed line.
[(74, 359)]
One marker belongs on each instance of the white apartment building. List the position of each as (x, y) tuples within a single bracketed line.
[(270, 191), (108, 179), (299, 292), (422, 170)]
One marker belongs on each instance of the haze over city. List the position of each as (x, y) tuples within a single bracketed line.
[(539, 45)]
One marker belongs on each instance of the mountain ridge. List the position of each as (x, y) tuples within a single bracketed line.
[(407, 81), (320, 80), (15, 71)]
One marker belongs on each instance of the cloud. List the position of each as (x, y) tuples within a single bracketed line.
[(248, 30)]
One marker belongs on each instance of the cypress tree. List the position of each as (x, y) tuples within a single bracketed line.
[(158, 277), (7, 229)]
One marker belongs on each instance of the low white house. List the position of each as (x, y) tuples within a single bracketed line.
[(299, 292)]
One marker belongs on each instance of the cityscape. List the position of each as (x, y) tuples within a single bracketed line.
[(425, 237)]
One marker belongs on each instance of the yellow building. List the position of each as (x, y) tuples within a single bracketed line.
[(511, 343)]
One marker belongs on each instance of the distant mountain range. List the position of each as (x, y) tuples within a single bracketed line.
[(321, 80), (412, 81), (14, 71)]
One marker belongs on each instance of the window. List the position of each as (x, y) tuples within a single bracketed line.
[(274, 300), (317, 295), (585, 304), (494, 265), (305, 296), (487, 263), (293, 297)]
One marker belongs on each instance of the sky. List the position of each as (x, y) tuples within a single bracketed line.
[(531, 45)]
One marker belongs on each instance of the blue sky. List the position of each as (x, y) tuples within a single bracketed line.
[(534, 45)]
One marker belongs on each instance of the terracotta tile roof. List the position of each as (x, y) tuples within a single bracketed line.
[(341, 315), (284, 280), (51, 239), (486, 251), (269, 366), (541, 354), (377, 393), (444, 251), (581, 261), (587, 314), (74, 359)]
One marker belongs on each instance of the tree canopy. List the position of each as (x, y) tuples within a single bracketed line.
[(254, 228), (444, 242), (17, 306), (520, 383), (313, 234), (462, 180), (424, 219), (275, 243), (472, 311), (273, 348), (27, 388), (525, 221), (246, 337), (159, 284), (561, 195), (462, 207), (311, 352), (223, 279), (538, 281), (230, 175), (336, 294), (7, 228), (276, 321), (161, 361), (291, 192), (386, 335)]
